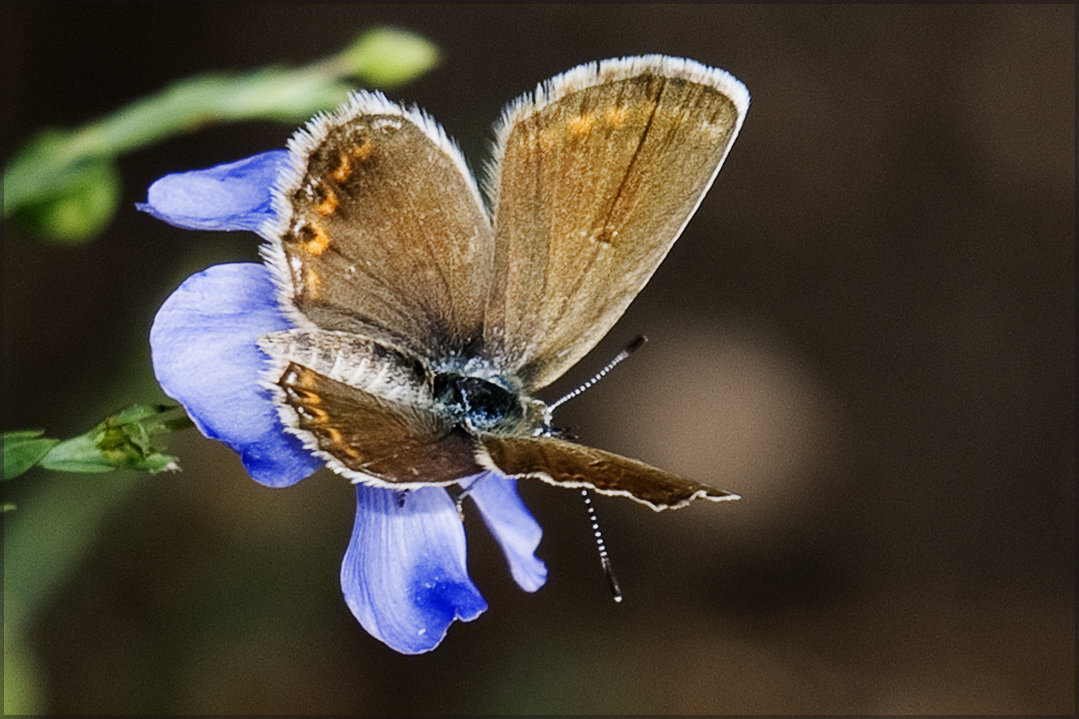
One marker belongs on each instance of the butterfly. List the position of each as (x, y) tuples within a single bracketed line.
[(427, 314)]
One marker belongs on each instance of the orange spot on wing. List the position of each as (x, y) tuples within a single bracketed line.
[(328, 205), (311, 280), (344, 169), (361, 151), (615, 115), (335, 436), (306, 386), (581, 124), (306, 396), (319, 240)]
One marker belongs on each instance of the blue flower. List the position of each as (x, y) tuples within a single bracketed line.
[(404, 574)]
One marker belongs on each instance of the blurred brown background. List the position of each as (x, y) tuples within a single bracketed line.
[(867, 331)]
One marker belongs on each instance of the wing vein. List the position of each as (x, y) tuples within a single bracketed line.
[(566, 300)]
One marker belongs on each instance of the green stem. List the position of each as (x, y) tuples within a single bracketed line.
[(50, 162)]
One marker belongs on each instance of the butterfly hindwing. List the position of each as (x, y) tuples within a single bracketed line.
[(568, 464), (371, 439)]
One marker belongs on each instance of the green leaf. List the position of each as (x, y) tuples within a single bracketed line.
[(388, 56), (79, 454), (24, 449), (80, 207), (122, 441)]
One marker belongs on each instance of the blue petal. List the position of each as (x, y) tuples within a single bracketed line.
[(513, 526), (233, 196), (205, 357), (404, 575)]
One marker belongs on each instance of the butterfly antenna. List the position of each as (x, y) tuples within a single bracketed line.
[(626, 352), (604, 558)]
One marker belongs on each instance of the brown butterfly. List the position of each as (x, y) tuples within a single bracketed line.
[(426, 320)]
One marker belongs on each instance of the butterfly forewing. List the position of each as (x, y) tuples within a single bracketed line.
[(593, 180), (381, 230)]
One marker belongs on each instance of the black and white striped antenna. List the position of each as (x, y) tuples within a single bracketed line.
[(626, 352), (601, 546), (604, 558)]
